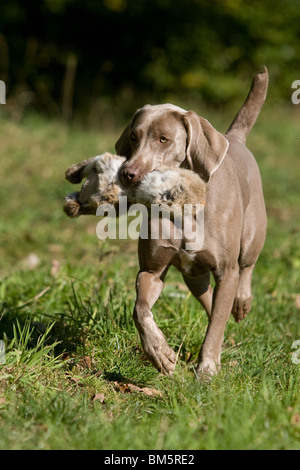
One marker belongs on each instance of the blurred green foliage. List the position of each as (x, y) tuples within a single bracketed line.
[(93, 56)]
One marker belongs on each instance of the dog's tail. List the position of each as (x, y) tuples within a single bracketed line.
[(247, 115)]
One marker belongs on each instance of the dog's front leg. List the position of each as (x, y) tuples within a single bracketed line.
[(223, 297), (149, 287)]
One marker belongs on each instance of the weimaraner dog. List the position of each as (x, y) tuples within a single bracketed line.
[(234, 219)]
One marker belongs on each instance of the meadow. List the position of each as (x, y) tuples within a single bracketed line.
[(74, 375)]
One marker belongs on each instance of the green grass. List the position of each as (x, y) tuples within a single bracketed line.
[(66, 320)]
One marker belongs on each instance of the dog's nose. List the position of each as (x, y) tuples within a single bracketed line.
[(130, 175)]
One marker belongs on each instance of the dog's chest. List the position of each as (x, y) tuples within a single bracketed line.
[(186, 261), (187, 264)]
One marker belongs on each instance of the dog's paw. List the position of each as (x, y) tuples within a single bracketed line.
[(157, 350), (241, 308), (162, 358), (207, 368)]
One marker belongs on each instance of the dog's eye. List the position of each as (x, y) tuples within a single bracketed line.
[(133, 136), (163, 140)]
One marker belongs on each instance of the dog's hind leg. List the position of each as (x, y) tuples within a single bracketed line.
[(243, 297), (201, 290)]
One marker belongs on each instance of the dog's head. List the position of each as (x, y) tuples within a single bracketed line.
[(169, 135)]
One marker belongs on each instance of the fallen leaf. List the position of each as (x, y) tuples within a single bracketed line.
[(129, 388), (121, 387), (99, 397), (152, 392)]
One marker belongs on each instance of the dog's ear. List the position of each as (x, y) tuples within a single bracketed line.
[(77, 172), (122, 145), (206, 147)]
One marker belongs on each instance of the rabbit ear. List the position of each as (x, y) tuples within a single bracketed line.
[(206, 147), (77, 172)]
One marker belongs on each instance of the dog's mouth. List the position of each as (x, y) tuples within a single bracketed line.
[(131, 180), (128, 183), (131, 175)]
